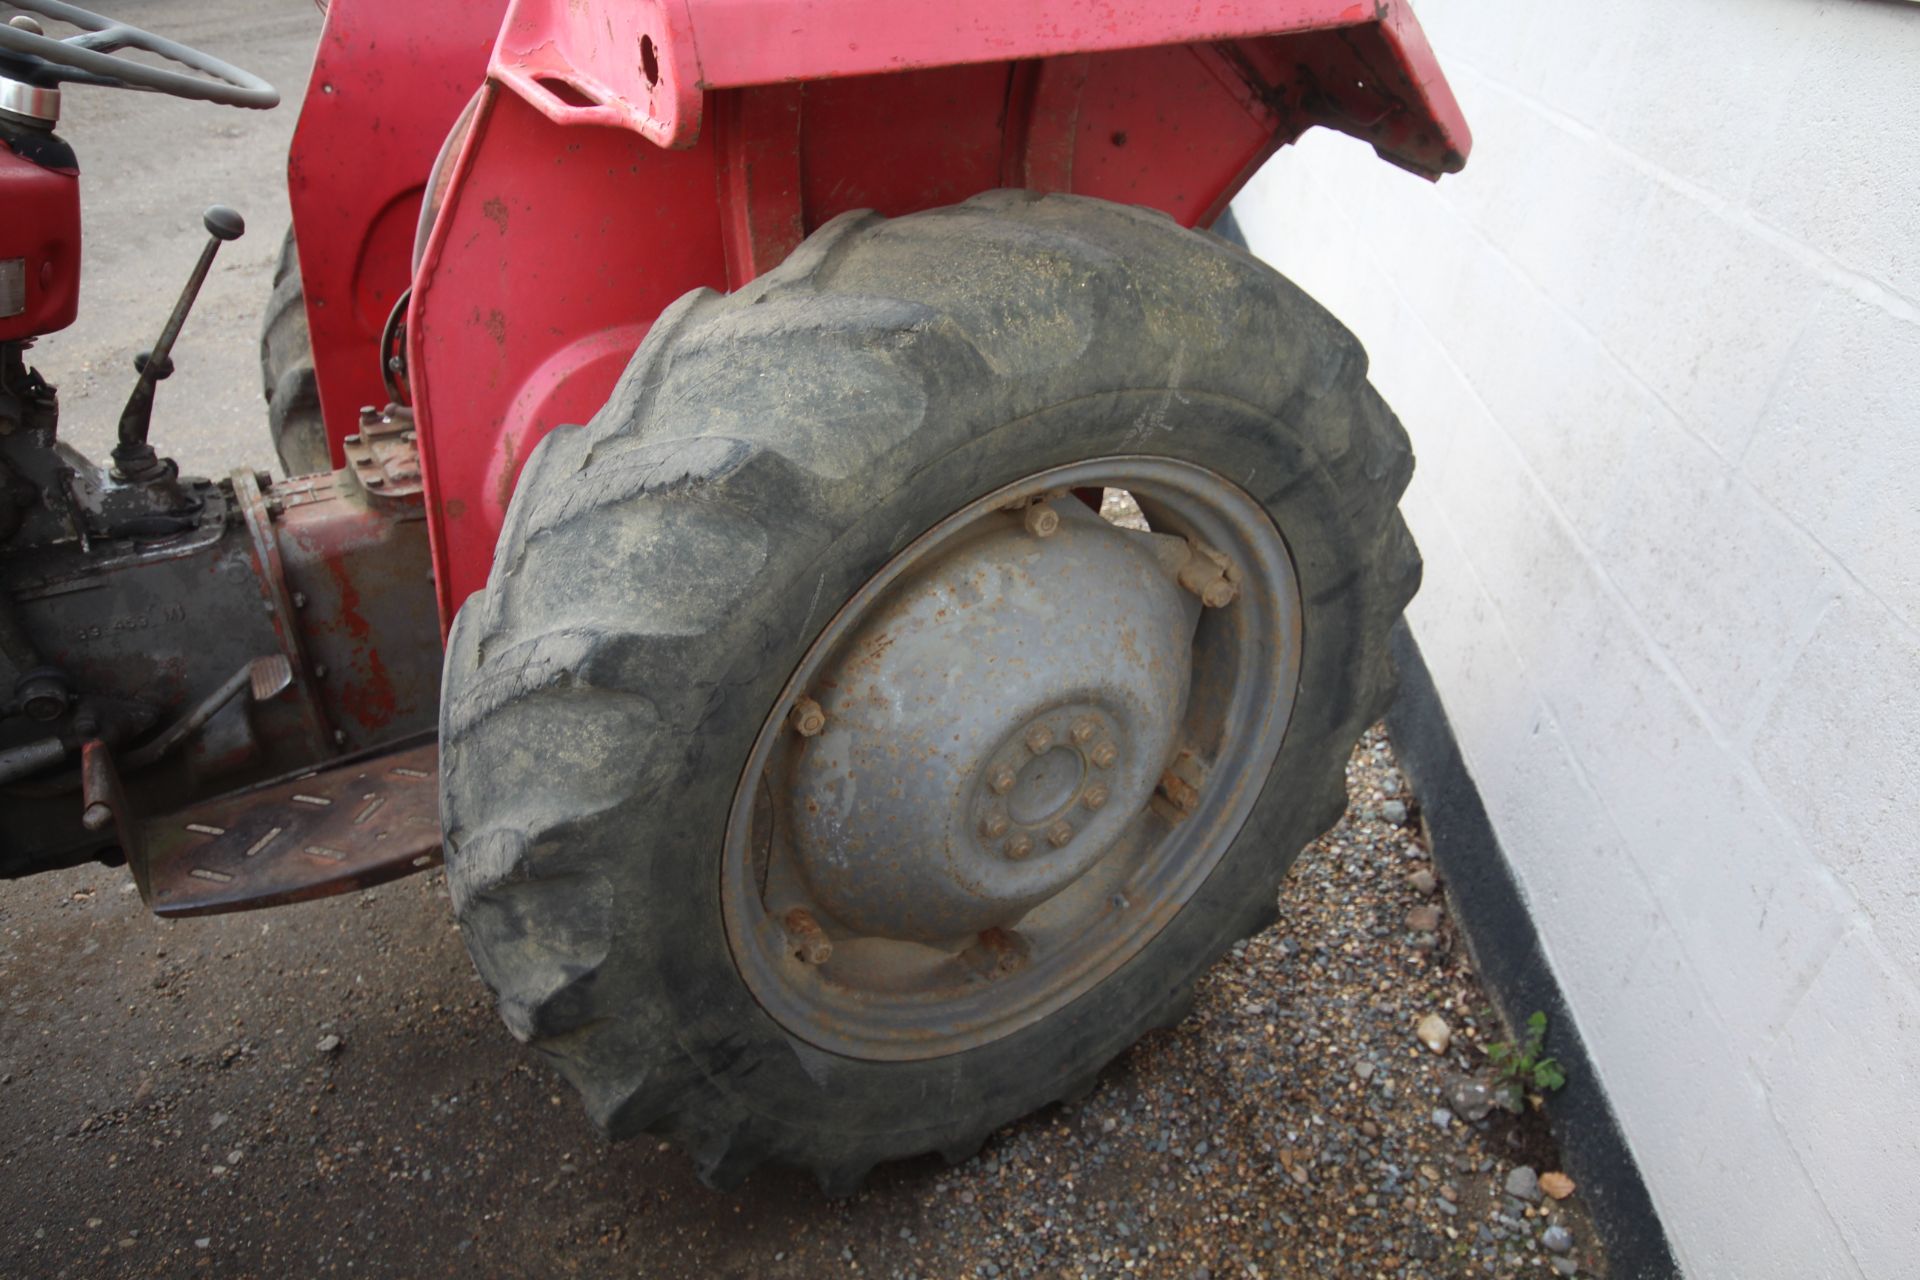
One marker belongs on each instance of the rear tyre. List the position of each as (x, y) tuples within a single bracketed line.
[(286, 372), (778, 469)]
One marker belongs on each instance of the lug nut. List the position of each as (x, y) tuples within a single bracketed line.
[(1039, 738), (808, 940), (1041, 520), (1059, 833), (808, 719), (1001, 780), (1019, 847), (1104, 755), (1083, 731), (1095, 797), (993, 826)]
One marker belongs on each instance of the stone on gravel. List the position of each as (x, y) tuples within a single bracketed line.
[(1469, 1097), (1565, 1267), (328, 1044), (1434, 1033), (1524, 1184), (1441, 1118), (1394, 811), (1556, 1239), (1424, 919), (1423, 881), (1557, 1185)]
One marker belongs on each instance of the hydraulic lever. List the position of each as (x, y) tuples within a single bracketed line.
[(133, 457)]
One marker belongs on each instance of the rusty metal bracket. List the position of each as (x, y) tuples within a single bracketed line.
[(313, 836), (382, 455)]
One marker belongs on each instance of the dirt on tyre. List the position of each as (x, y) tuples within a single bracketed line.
[(825, 780), (286, 371)]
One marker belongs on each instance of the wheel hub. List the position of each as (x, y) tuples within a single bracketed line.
[(992, 728)]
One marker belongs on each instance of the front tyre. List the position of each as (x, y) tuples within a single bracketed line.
[(825, 781)]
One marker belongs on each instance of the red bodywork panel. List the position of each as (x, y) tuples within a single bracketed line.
[(39, 247), (622, 154), (388, 80)]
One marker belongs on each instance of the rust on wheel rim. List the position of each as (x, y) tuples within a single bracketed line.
[(1010, 759)]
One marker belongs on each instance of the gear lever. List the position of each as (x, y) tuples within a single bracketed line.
[(133, 457)]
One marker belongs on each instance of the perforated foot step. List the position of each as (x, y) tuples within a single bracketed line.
[(324, 833)]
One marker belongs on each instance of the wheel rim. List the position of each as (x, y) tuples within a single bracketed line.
[(1010, 759)]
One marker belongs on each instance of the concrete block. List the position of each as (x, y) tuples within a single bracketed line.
[(1840, 172), (1755, 910), (1581, 203), (1569, 856), (1578, 58), (1727, 588), (1735, 1199), (1704, 311), (1573, 413), (1709, 76), (1841, 1079), (1838, 448), (1840, 753)]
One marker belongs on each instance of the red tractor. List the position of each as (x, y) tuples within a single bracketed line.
[(866, 593)]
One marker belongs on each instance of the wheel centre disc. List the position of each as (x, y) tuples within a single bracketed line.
[(991, 727)]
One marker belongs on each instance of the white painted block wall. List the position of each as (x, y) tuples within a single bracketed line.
[(1659, 352)]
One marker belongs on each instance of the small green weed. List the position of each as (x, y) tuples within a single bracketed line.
[(1520, 1069)]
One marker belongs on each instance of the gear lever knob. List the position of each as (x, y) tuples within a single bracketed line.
[(224, 223)]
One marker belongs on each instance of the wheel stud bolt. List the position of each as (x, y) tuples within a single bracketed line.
[(1209, 575), (1039, 738), (1178, 792), (1103, 755), (808, 940), (1095, 796), (993, 826), (1041, 520), (808, 719), (1083, 731), (1059, 833), (1001, 780), (1020, 846)]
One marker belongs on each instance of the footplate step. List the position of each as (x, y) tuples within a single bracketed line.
[(324, 833)]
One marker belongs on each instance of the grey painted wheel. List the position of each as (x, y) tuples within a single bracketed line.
[(1011, 758), (811, 794)]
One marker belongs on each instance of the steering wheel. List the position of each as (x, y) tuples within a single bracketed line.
[(93, 58)]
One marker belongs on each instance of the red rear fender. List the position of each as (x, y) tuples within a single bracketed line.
[(622, 154)]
